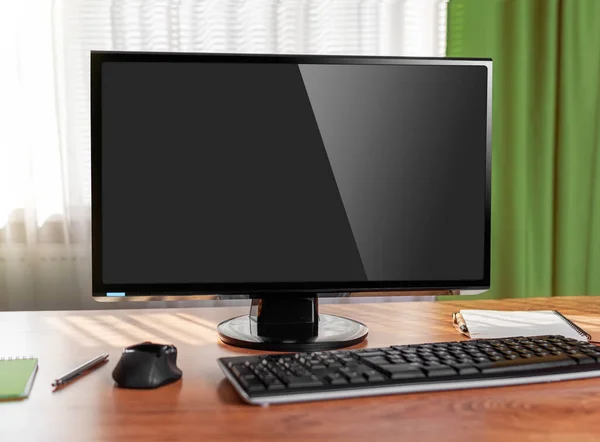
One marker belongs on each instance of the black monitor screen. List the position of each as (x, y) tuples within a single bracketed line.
[(215, 173)]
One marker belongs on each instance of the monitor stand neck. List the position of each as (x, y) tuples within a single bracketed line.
[(290, 322)]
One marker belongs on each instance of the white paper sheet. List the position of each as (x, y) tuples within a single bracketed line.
[(491, 324)]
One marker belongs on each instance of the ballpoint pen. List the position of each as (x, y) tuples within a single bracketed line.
[(460, 323), (80, 371)]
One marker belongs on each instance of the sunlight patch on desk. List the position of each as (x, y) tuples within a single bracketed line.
[(73, 332), (366, 315), (100, 331), (166, 329), (185, 326), (137, 333), (212, 326)]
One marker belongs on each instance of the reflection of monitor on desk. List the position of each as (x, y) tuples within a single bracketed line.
[(288, 178)]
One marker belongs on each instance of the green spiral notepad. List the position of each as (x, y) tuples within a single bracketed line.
[(16, 377)]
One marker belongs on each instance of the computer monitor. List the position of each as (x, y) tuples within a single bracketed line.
[(286, 179)]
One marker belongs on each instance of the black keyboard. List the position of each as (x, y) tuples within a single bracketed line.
[(479, 363)]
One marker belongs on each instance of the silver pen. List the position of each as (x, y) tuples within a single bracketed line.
[(80, 371)]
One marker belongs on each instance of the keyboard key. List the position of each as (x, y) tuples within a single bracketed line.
[(374, 376), (336, 379), (582, 358), (406, 351), (528, 364), (358, 380), (275, 386), (465, 369), (371, 354), (378, 360), (412, 374), (304, 381), (398, 371), (320, 372), (460, 354), (432, 364), (241, 371), (415, 364), (349, 373), (251, 385), (417, 346), (486, 364), (396, 357), (443, 370), (592, 354), (476, 354), (318, 366)]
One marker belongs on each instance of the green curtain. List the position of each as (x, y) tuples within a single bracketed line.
[(546, 139)]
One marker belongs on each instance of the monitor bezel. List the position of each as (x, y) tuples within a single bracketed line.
[(100, 289)]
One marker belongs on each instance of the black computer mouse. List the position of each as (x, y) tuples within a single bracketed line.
[(147, 365)]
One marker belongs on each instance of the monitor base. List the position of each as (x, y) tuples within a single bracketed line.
[(289, 323), (334, 332)]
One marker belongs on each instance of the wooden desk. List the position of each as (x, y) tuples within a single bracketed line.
[(204, 407)]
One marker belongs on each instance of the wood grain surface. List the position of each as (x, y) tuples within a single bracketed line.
[(204, 407)]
